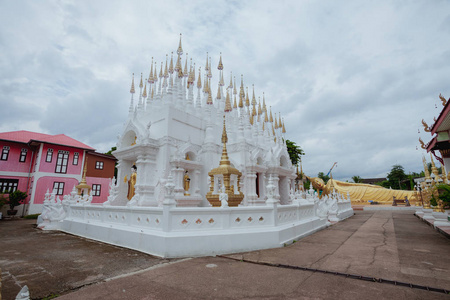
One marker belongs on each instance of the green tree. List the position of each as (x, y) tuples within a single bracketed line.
[(111, 151), (396, 177), (356, 179), (324, 177), (294, 152)]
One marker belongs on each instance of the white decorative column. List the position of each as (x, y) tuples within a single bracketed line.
[(178, 178)]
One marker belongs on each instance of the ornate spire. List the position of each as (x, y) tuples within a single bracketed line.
[(231, 80), (279, 120), (224, 161), (271, 118), (266, 118), (241, 101), (221, 82), (150, 76), (241, 92), (209, 101), (425, 168), (144, 94), (132, 85), (228, 103), (284, 129), (234, 86), (185, 67), (180, 49), (220, 66), (264, 103), (259, 106), (155, 77), (171, 64), (166, 72), (253, 98), (141, 84), (251, 119), (219, 96), (199, 80), (161, 71), (209, 69), (247, 100), (276, 122), (234, 104), (206, 66)]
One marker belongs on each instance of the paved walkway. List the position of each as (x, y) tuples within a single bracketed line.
[(391, 245)]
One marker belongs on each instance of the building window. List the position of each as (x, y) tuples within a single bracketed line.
[(96, 189), (99, 165), (5, 153), (58, 187), (23, 155), (75, 159), (49, 155), (61, 162), (8, 185)]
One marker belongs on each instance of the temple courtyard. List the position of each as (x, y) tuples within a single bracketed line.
[(372, 255)]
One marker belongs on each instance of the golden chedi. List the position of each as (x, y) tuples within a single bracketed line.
[(225, 174)]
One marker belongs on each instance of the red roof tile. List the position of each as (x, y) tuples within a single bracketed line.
[(24, 136)]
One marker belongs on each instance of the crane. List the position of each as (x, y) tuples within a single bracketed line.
[(335, 164)]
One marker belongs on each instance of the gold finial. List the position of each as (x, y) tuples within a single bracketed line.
[(254, 113), (209, 101), (241, 101), (132, 85), (425, 126), (209, 69), (253, 98), (263, 126), (206, 66), (166, 72), (434, 170), (264, 103), (266, 118), (247, 101), (220, 66), (144, 94), (180, 73), (422, 144), (150, 76), (161, 71), (241, 92), (178, 66), (199, 80), (224, 160), (228, 103), (171, 64), (180, 49), (234, 104), (218, 92), (425, 167), (444, 102), (141, 85), (155, 77), (234, 86), (231, 80), (276, 122), (153, 92), (279, 120), (251, 119), (185, 66), (284, 129), (259, 106), (271, 118)]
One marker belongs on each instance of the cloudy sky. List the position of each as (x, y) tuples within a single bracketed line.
[(353, 79)]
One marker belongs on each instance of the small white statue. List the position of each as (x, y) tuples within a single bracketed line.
[(223, 197)]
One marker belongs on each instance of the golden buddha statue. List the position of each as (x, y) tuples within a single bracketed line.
[(187, 182), (361, 192), (131, 182)]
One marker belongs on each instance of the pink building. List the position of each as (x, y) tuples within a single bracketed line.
[(35, 162)]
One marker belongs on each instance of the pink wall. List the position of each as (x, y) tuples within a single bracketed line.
[(104, 192), (13, 164), (46, 182), (51, 166)]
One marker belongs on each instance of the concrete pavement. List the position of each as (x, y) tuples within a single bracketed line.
[(382, 244)]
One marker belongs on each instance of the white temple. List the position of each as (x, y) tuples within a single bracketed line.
[(198, 175)]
